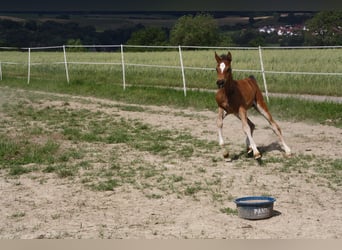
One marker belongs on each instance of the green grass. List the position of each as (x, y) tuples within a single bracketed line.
[(281, 108), (107, 185), (229, 211), (300, 110), (24, 152)]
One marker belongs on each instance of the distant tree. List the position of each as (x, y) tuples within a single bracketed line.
[(226, 40), (63, 16), (276, 16), (291, 18), (77, 43), (31, 25), (297, 40), (248, 37), (118, 36), (9, 24), (257, 41), (201, 29), (14, 34), (325, 28), (251, 20), (149, 36)]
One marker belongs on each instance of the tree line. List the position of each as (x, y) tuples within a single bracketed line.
[(324, 28), (52, 33)]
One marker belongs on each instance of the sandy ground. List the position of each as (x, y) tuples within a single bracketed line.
[(308, 206)]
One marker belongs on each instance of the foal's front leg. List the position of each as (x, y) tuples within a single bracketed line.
[(221, 115), (248, 131), (219, 122)]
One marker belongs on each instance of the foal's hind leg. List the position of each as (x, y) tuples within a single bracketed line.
[(248, 144), (262, 108), (252, 127)]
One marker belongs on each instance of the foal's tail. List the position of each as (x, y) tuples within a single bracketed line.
[(259, 98)]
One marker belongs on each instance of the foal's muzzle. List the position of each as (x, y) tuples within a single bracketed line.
[(220, 83)]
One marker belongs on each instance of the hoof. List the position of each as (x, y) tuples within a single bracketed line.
[(257, 156), (249, 152), (225, 153), (288, 155)]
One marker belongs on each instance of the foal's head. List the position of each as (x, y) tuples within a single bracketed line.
[(223, 68)]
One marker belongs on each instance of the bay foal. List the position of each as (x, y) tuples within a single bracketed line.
[(236, 97)]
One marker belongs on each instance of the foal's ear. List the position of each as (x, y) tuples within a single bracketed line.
[(229, 56), (218, 59)]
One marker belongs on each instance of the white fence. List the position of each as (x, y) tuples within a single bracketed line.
[(181, 66)]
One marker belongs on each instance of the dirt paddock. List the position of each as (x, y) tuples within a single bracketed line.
[(199, 204)]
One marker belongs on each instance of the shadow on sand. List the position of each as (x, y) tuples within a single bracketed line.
[(274, 146)]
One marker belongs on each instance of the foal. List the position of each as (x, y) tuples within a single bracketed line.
[(236, 97)]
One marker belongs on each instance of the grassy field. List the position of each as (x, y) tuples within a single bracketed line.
[(108, 68)]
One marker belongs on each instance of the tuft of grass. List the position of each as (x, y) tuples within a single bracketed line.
[(154, 196), (229, 211), (193, 189), (18, 215), (107, 185), (18, 170), (176, 178), (62, 170)]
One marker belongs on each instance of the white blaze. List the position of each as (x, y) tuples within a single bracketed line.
[(222, 67)]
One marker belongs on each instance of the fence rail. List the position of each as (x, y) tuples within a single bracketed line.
[(262, 70)]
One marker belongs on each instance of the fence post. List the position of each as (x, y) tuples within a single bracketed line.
[(29, 66), (182, 68), (263, 73), (123, 68), (0, 71), (66, 64)]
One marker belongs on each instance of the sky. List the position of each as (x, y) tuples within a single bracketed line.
[(169, 5)]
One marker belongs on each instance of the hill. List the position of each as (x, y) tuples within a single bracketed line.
[(114, 20), (23, 29)]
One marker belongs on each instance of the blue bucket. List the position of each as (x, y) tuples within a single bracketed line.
[(255, 207)]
